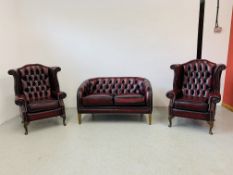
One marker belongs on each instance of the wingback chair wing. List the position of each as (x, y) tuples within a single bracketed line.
[(37, 93), (196, 91)]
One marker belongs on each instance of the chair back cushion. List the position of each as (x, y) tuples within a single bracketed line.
[(116, 85), (198, 78), (35, 82)]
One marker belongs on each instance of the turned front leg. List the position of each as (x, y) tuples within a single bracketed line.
[(211, 123), (150, 119), (25, 124), (79, 118), (170, 120)]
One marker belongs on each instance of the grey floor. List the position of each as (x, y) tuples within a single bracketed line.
[(118, 145)]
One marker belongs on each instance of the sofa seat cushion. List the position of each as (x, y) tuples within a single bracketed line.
[(97, 100), (129, 100), (43, 105), (190, 103)]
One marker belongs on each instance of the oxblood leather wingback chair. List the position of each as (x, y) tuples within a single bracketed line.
[(37, 93), (195, 91)]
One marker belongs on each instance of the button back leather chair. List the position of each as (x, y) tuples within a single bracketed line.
[(37, 93), (195, 91)]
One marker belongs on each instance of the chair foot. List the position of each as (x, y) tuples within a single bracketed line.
[(170, 121), (79, 118), (211, 123), (150, 119), (64, 120), (25, 127)]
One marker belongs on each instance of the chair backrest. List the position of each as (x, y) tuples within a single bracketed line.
[(116, 85), (35, 82), (198, 78)]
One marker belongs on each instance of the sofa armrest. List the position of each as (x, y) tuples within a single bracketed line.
[(82, 91), (148, 94)]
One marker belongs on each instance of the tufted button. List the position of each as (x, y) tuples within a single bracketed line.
[(197, 78), (35, 82)]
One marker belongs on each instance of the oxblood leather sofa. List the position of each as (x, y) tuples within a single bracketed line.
[(115, 95), (195, 91), (37, 93)]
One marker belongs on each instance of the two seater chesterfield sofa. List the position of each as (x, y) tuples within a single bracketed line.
[(115, 95)]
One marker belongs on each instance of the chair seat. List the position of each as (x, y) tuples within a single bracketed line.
[(198, 104), (129, 99), (43, 105), (98, 100)]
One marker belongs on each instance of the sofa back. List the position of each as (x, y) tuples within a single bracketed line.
[(116, 85)]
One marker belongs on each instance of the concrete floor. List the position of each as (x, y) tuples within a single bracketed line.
[(118, 145)]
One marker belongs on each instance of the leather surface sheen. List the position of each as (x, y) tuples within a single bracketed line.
[(196, 89), (98, 100), (37, 91), (121, 94), (192, 103), (129, 99), (43, 105), (35, 82)]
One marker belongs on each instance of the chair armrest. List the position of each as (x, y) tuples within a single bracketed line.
[(20, 100), (59, 95), (148, 93), (214, 97), (173, 94)]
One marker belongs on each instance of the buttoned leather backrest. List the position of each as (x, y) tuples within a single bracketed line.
[(198, 78), (35, 82), (116, 86)]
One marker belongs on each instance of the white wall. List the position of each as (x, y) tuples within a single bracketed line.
[(215, 45), (89, 38), (9, 56)]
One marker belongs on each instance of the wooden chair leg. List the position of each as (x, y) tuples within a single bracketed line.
[(25, 124), (64, 119), (150, 119), (211, 123), (170, 121), (79, 118)]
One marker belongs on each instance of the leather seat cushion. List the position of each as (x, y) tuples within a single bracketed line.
[(129, 100), (43, 105), (199, 104), (98, 100)]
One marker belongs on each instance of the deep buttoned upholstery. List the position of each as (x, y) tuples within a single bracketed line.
[(37, 92), (35, 82), (195, 91), (115, 95)]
